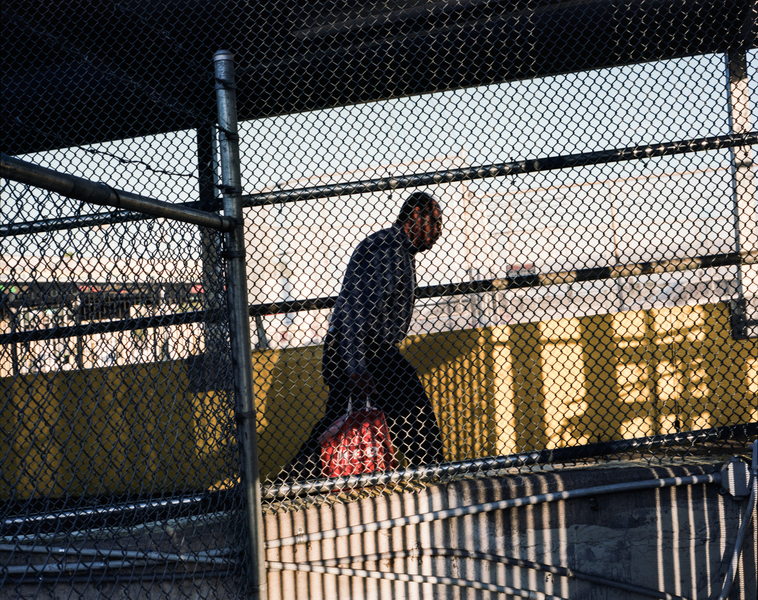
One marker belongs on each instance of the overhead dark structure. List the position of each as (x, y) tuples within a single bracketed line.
[(75, 75)]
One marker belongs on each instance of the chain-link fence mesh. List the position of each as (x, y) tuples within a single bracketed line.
[(593, 291), (119, 455), (119, 458)]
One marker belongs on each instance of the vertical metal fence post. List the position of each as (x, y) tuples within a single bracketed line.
[(743, 190), (16, 370), (215, 333), (239, 323)]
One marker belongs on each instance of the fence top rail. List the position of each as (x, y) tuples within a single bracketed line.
[(531, 280), (409, 181), (519, 167), (432, 291), (102, 194)]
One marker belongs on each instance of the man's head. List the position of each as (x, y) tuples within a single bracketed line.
[(421, 220)]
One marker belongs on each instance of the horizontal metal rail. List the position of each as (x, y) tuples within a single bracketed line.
[(104, 195), (82, 221), (56, 333), (422, 179), (107, 557), (503, 169), (174, 506), (203, 555), (559, 570), (530, 281), (476, 584), (127, 576), (432, 291), (61, 521), (69, 223), (102, 532), (496, 505)]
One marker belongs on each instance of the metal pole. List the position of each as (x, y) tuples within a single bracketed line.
[(79, 338), (14, 346), (743, 192), (493, 465), (214, 352), (419, 180), (239, 322), (514, 282), (537, 165), (104, 195), (97, 327)]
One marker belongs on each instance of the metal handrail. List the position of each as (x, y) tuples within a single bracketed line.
[(101, 194)]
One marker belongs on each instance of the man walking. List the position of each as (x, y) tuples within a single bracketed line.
[(371, 317)]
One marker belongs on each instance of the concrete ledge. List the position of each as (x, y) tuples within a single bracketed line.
[(677, 540)]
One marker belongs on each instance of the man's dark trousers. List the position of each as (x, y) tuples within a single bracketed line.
[(399, 393)]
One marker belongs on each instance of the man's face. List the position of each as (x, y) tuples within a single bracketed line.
[(424, 227)]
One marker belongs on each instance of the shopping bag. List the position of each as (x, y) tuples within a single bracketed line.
[(358, 442)]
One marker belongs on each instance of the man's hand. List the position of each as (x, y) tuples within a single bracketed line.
[(362, 384)]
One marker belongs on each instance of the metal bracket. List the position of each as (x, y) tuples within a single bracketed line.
[(244, 416), (223, 84), (738, 319), (735, 478), (228, 189), (230, 135)]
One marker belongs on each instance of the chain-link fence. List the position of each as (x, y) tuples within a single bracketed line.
[(119, 456), (119, 453), (592, 293), (558, 202)]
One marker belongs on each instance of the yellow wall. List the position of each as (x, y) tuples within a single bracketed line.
[(495, 391), (136, 428), (544, 385)]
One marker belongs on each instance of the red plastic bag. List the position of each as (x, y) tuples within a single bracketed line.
[(358, 442)]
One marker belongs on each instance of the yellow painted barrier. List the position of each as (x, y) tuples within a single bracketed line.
[(495, 391), (546, 384), (135, 428)]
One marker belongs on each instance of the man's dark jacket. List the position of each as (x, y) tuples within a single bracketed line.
[(374, 308)]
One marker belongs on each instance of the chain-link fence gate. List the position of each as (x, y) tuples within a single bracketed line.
[(121, 463), (129, 464), (589, 291)]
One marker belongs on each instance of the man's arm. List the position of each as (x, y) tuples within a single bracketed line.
[(364, 297)]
